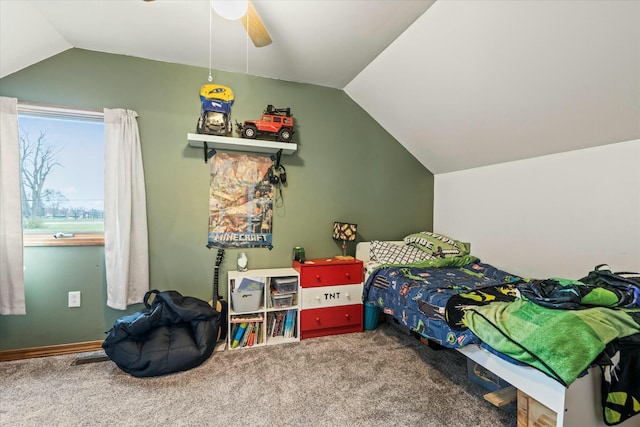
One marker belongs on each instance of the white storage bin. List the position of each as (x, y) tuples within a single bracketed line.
[(246, 301)]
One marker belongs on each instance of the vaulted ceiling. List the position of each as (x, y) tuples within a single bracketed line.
[(460, 84)]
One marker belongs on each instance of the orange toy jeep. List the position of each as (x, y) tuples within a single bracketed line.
[(274, 121)]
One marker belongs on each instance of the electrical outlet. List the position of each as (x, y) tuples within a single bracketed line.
[(74, 299)]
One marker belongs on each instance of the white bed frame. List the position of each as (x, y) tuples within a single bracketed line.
[(575, 406)]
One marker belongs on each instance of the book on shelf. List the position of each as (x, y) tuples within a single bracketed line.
[(253, 339), (241, 318), (233, 329), (282, 324), (270, 325), (247, 335), (274, 327), (279, 321), (290, 323), (255, 335), (251, 284), (237, 338), (285, 323)]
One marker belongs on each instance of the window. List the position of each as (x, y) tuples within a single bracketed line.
[(62, 168)]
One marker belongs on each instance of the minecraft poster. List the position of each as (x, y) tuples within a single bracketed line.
[(240, 201)]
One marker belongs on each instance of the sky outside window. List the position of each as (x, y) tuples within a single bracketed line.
[(79, 148)]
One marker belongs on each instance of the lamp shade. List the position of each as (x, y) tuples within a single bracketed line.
[(344, 231)]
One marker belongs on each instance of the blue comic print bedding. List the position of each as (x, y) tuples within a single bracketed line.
[(432, 301)]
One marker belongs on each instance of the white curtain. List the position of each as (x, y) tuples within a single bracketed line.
[(11, 254), (126, 245)]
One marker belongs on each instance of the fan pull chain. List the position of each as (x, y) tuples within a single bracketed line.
[(210, 79)]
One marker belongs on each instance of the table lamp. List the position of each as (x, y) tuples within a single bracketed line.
[(345, 232)]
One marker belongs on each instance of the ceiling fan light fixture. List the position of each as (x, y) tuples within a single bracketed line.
[(230, 9)]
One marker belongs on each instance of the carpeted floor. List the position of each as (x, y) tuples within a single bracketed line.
[(375, 378)]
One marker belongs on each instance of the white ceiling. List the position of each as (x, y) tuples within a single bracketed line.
[(486, 82), (326, 42), (460, 84)]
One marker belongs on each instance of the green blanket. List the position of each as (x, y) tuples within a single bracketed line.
[(561, 343)]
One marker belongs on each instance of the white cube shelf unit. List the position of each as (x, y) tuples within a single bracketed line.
[(263, 307)]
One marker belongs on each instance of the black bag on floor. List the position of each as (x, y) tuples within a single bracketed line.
[(172, 333)]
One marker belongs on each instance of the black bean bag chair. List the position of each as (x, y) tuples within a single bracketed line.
[(172, 333)]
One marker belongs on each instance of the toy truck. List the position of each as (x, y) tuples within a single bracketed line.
[(215, 114), (276, 122)]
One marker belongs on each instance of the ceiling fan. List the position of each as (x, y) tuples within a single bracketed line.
[(247, 14)]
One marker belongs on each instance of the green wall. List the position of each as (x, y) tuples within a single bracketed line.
[(346, 168)]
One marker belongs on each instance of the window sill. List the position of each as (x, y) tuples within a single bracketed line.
[(79, 239)]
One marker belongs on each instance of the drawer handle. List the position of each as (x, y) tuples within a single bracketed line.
[(346, 294), (318, 297), (348, 276), (318, 277), (318, 319), (346, 316)]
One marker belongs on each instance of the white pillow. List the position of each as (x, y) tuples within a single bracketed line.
[(391, 253)]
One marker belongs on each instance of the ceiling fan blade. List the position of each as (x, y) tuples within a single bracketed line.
[(255, 28)]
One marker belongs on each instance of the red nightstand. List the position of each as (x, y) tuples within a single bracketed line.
[(331, 296)]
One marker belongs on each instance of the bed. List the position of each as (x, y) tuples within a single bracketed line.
[(431, 312)]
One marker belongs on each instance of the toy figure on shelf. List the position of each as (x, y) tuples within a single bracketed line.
[(215, 114), (274, 121)]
